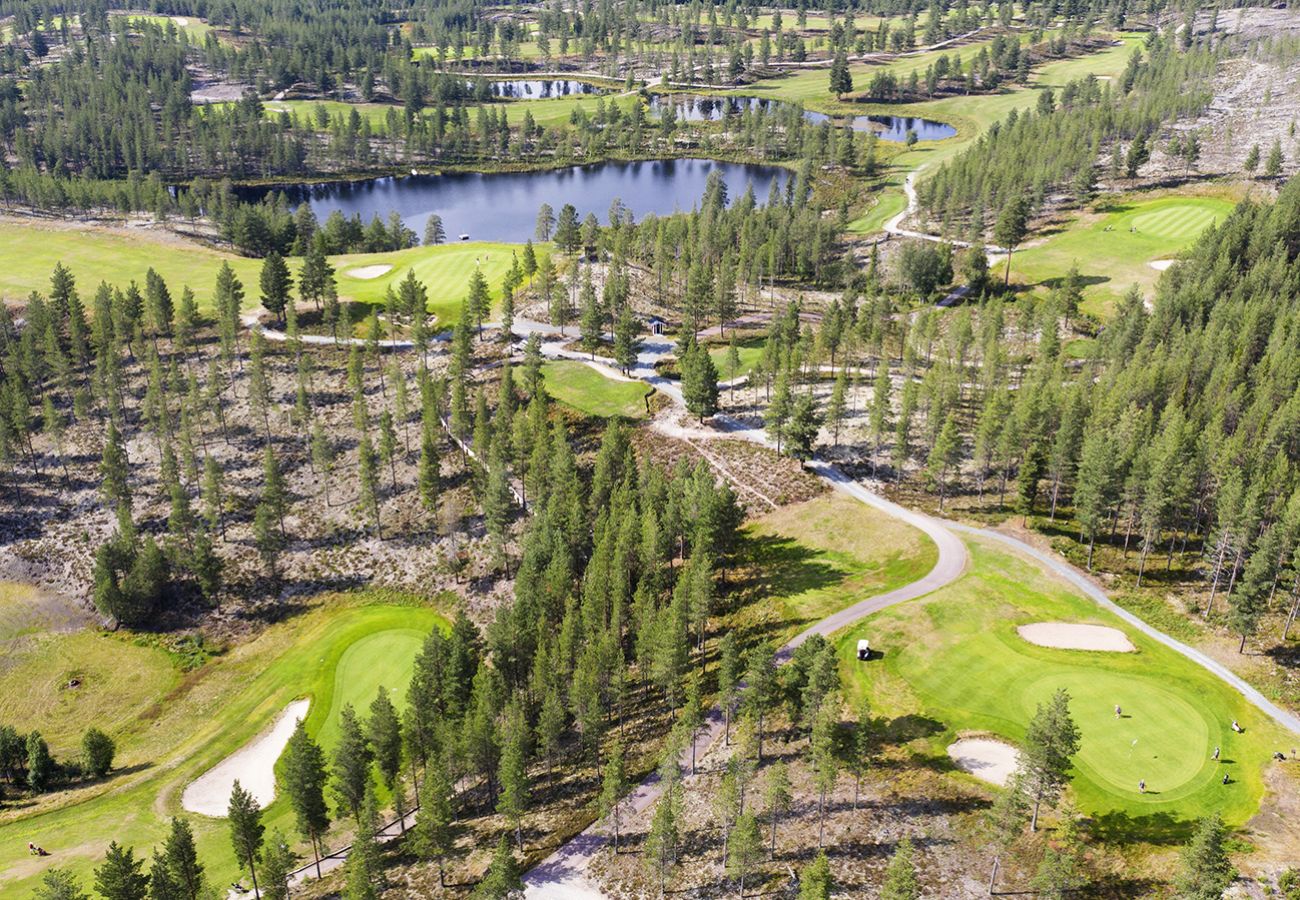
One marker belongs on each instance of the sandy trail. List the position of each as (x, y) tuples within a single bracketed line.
[(988, 760), (1072, 636), (253, 765)]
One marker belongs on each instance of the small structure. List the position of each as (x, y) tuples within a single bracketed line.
[(864, 649), (656, 325), (464, 237)]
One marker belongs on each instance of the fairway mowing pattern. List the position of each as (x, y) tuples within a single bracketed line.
[(955, 657), (1176, 222)]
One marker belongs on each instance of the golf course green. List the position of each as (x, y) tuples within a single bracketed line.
[(956, 660), (1115, 247), (118, 257), (336, 654)]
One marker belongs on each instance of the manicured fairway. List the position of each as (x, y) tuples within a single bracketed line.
[(580, 386), (1115, 251), (28, 253), (333, 656), (955, 657), (819, 556)]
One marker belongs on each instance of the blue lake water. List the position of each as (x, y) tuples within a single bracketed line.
[(692, 108), (503, 206)]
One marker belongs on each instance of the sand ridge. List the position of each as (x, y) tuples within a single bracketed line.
[(368, 272)]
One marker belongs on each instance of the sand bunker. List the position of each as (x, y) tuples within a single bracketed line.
[(1161, 264), (365, 272), (986, 759), (1069, 636), (253, 765)]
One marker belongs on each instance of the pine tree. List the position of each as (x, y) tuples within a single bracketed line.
[(744, 850), (277, 864), (1060, 872), (182, 860), (512, 772), (304, 782), (350, 772), (59, 884), (614, 787), (801, 431), (901, 882), (121, 876), (1051, 741), (778, 798), (433, 820), (246, 829), (434, 232), (368, 481), (502, 879), (815, 880), (275, 282), (1205, 870), (40, 764)]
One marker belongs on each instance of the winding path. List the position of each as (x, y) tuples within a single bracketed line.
[(563, 876)]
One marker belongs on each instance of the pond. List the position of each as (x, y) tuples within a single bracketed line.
[(695, 108), (503, 206), (534, 88)]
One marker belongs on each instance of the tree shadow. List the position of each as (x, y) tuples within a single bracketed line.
[(1155, 828)]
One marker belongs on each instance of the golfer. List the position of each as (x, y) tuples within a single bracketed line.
[(1216, 753), (1142, 786), (1118, 711)]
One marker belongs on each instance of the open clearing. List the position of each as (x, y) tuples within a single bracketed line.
[(988, 760), (814, 558), (252, 765), (1073, 636), (119, 256), (1116, 249), (581, 387), (330, 655), (951, 660)]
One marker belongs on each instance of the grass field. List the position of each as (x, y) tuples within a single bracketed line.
[(196, 29), (1114, 250), (750, 352), (956, 660), (819, 556), (334, 655), (580, 386), (117, 257)]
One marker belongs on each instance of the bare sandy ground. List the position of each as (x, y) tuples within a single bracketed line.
[(986, 759), (1161, 264), (1071, 636), (366, 272), (253, 765)]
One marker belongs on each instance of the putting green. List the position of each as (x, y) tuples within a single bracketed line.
[(955, 661), (1114, 251), (334, 655)]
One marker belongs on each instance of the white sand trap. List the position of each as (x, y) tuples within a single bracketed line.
[(986, 759), (1161, 264), (181, 21), (368, 271), (1071, 636), (253, 765)]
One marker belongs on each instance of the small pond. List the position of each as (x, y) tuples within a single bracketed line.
[(503, 206), (534, 88), (699, 108)]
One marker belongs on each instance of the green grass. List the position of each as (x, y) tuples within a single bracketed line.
[(955, 659), (195, 28), (1111, 257), (94, 255), (549, 111), (334, 656), (581, 387), (814, 558), (749, 351)]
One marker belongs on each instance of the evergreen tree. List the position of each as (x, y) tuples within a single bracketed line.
[(1205, 871), (778, 798), (434, 233), (815, 880), (40, 764), (350, 772), (1059, 872), (503, 878), (433, 820), (613, 789), (275, 282), (901, 882), (1051, 741), (59, 884), (303, 774), (277, 864), (121, 876), (182, 860), (97, 751), (246, 829), (744, 850)]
